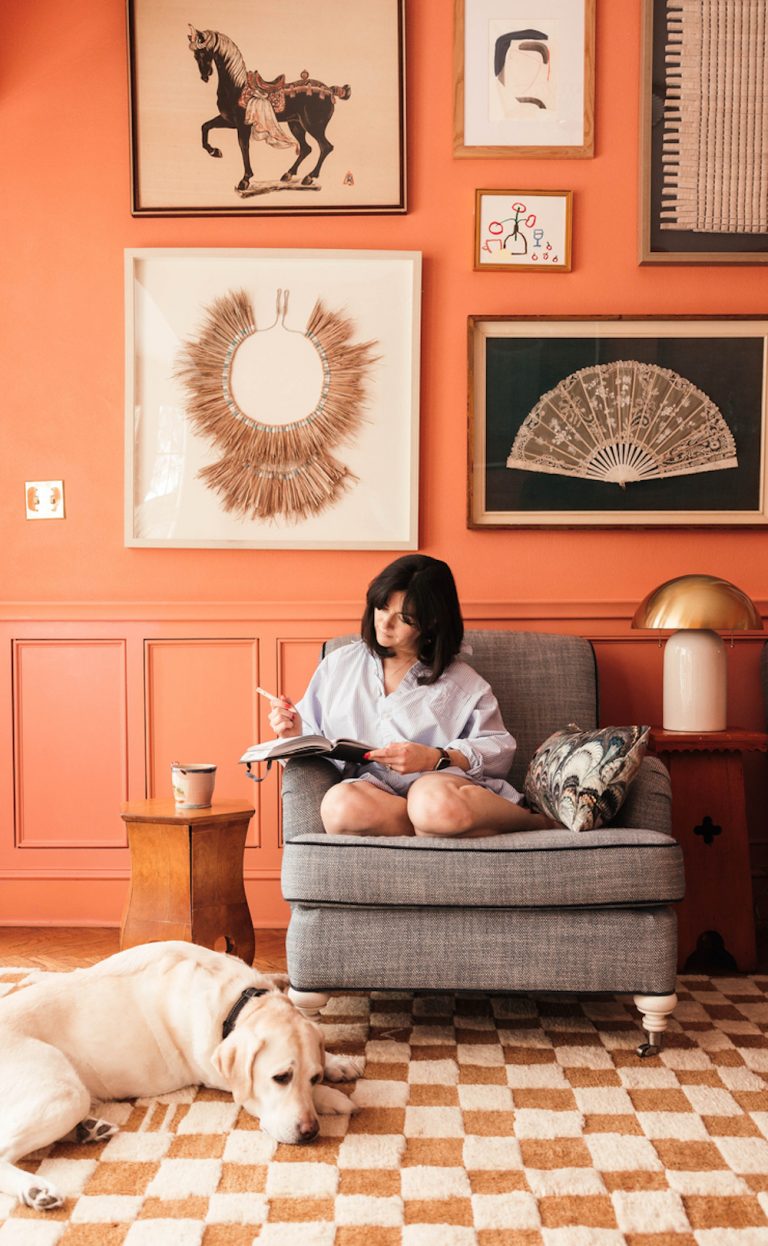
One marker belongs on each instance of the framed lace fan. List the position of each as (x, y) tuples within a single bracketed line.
[(272, 399), (608, 422)]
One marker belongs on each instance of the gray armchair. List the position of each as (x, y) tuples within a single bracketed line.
[(529, 911)]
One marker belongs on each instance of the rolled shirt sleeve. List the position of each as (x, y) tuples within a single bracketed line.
[(485, 741)]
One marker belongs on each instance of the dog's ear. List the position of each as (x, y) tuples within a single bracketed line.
[(320, 1038), (279, 980), (234, 1059)]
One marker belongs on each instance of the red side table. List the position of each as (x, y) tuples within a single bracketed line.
[(716, 927)]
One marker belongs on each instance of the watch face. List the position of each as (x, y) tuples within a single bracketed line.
[(443, 763)]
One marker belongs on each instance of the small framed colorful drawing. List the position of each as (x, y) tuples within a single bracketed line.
[(524, 78), (526, 230)]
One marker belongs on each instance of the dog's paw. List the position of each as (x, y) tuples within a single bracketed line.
[(329, 1102), (94, 1130), (343, 1068), (41, 1195)]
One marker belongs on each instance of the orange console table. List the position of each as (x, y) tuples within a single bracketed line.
[(716, 928), (187, 876)]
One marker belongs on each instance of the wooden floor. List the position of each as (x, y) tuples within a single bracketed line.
[(58, 947)]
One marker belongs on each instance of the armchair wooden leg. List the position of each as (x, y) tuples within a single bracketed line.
[(656, 1011), (311, 1003)]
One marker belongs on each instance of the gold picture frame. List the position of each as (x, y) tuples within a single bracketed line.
[(523, 231)]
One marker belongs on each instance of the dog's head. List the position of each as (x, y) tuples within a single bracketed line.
[(271, 1062)]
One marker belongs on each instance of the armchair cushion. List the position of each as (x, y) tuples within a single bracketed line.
[(532, 869), (581, 778)]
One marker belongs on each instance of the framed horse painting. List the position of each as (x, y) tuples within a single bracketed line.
[(268, 109)]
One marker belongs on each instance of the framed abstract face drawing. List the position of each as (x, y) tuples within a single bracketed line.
[(524, 78)]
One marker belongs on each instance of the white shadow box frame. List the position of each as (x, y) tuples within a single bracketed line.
[(272, 398)]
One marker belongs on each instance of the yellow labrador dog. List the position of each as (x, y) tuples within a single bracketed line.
[(145, 1022)]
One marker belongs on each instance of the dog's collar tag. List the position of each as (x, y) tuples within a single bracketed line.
[(250, 992)]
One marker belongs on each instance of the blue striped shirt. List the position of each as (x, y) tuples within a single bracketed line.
[(346, 698)]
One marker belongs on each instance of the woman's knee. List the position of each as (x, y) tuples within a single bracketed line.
[(345, 808), (436, 807)]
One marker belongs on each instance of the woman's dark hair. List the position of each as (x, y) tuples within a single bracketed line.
[(430, 601)]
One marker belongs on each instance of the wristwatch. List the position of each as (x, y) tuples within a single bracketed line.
[(443, 761)]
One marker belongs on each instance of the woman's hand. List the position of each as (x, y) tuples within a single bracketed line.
[(284, 719), (405, 757)]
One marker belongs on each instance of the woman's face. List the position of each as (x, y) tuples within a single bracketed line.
[(394, 629)]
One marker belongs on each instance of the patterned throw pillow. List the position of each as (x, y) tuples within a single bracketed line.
[(581, 778)]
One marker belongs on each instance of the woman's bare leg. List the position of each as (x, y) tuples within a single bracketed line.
[(363, 809), (444, 804)]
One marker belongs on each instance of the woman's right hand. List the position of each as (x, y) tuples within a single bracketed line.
[(284, 719)]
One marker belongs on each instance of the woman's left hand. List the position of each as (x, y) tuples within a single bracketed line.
[(405, 757)]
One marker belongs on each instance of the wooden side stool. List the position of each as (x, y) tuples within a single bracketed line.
[(187, 876)]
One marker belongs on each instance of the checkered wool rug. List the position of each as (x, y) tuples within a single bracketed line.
[(485, 1121)]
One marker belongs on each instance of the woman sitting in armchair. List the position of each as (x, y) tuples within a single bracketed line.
[(442, 752)]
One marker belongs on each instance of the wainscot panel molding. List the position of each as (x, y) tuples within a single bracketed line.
[(193, 611), (98, 698)]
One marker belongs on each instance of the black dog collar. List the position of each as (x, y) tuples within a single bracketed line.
[(250, 992)]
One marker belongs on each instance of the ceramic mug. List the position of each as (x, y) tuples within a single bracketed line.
[(193, 784)]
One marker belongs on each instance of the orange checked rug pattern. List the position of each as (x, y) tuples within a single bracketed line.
[(483, 1121)]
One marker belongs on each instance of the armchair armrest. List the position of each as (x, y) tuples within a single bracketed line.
[(649, 801), (305, 782)]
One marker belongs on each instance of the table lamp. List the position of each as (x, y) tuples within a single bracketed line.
[(695, 676)]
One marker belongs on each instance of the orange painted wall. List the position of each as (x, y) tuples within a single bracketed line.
[(64, 213), (65, 222)]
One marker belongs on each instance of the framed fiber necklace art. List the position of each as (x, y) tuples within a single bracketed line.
[(272, 398)]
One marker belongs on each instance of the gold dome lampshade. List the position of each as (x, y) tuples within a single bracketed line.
[(695, 669)]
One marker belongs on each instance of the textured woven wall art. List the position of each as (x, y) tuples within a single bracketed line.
[(715, 151)]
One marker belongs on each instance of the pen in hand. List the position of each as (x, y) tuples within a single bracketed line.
[(283, 703)]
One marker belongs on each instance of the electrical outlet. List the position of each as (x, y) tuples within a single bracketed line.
[(44, 499)]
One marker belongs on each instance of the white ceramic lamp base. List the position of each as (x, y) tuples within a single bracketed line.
[(695, 682)]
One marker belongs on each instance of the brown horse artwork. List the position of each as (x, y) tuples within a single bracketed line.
[(255, 108)]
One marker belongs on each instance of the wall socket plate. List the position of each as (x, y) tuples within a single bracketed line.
[(44, 499)]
